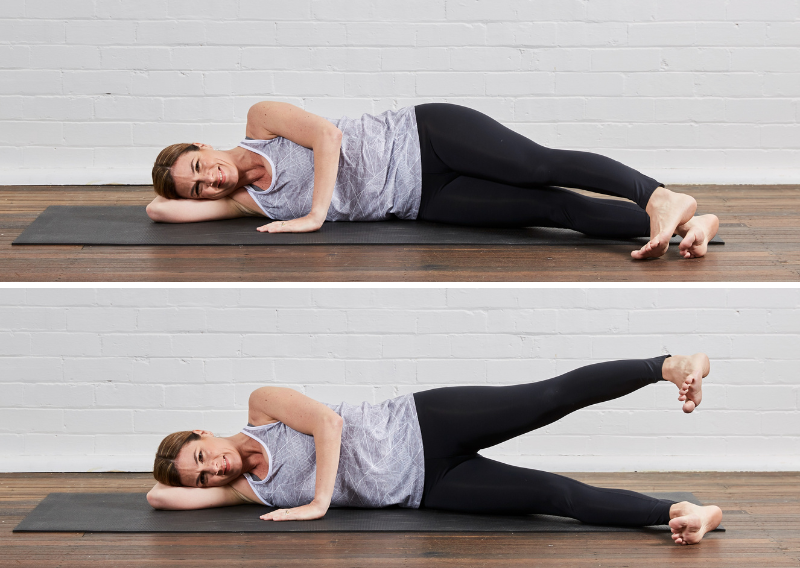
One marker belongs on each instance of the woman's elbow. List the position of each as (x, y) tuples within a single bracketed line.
[(154, 500), (336, 422), (155, 212)]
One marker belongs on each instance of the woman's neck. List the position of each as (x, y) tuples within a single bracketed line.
[(250, 166), (249, 450)]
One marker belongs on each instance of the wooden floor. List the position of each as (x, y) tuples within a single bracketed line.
[(761, 514), (759, 224)]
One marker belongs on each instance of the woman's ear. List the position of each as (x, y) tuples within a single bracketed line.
[(204, 146), (203, 433)]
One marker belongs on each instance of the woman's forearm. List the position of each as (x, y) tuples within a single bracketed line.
[(326, 168), (328, 443)]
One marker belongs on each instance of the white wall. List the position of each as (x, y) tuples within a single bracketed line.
[(685, 90), (91, 379)]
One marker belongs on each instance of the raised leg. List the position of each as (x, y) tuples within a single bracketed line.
[(462, 420)]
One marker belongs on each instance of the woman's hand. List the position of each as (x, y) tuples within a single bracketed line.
[(307, 224), (308, 512)]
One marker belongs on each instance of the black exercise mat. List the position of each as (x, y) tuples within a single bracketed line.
[(130, 225), (130, 512)]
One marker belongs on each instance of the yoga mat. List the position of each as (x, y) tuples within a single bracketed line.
[(130, 225), (130, 512)]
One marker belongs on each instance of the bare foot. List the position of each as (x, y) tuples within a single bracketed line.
[(667, 210), (696, 233), (689, 522), (687, 374)]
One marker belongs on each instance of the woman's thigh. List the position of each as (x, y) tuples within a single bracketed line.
[(459, 139)]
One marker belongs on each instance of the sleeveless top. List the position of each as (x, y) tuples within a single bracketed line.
[(381, 462), (380, 172)]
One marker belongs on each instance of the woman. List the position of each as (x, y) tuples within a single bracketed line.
[(421, 450), (437, 162)]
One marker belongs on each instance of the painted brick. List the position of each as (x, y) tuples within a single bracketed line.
[(517, 34), (513, 372), (123, 395), (127, 345), (451, 371), (201, 344), (30, 369), (22, 31), (28, 420), (199, 396), (65, 344), (415, 346), (171, 319), (380, 372), (300, 321), (592, 321), (11, 394), (309, 371), (470, 346), (171, 32), (58, 395), (100, 320), (381, 321), (354, 395), (776, 10), (162, 422), (94, 32), (58, 444), (91, 421), (448, 34), (783, 33), (29, 319)]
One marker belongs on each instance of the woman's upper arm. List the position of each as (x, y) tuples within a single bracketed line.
[(268, 119), (187, 498), (192, 210), (296, 410)]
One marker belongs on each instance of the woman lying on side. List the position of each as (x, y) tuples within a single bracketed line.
[(436, 162), (421, 451)]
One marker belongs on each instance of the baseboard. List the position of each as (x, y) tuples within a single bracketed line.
[(726, 176), (141, 176), (144, 463)]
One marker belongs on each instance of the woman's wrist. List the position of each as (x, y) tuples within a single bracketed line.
[(323, 502), (318, 216)]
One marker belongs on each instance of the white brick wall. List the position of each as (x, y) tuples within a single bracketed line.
[(687, 91), (93, 378)]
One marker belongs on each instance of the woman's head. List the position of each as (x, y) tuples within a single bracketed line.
[(194, 171), (196, 459)]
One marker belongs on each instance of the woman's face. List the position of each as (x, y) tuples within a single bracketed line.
[(208, 462), (204, 174)]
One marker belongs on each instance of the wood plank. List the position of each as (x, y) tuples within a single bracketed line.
[(762, 517), (759, 225)]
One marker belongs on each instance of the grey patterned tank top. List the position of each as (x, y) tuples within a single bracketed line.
[(381, 461), (380, 173)]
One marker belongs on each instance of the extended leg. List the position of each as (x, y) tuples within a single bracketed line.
[(482, 485), (462, 420)]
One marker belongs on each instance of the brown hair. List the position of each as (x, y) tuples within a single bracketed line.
[(164, 469), (163, 184)]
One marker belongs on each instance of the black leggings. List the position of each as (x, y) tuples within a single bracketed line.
[(456, 422), (475, 171)]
